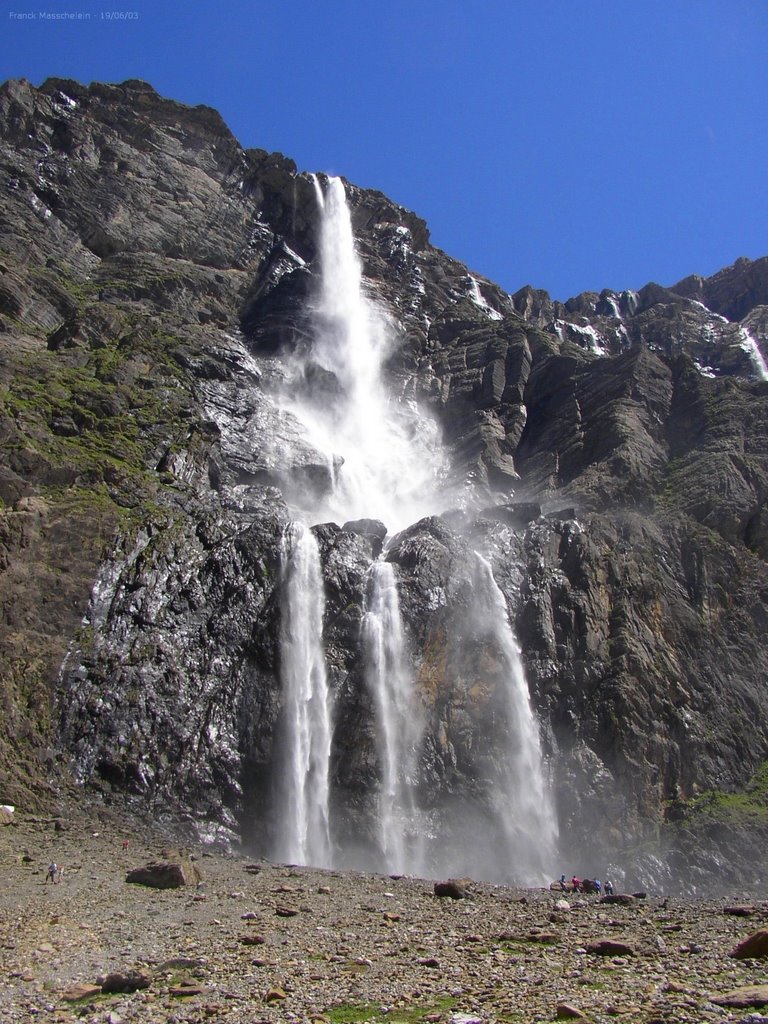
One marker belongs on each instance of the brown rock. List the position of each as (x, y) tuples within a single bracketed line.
[(81, 991), (740, 998), (186, 988), (286, 911), (166, 874), (740, 911), (756, 945), (610, 947), (539, 935), (130, 981), (565, 1011), (252, 940), (675, 986), (275, 994), (618, 897)]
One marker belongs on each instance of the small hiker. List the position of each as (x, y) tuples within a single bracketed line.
[(50, 875), (563, 886), (608, 888)]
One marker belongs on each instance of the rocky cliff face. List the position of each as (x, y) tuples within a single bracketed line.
[(611, 454)]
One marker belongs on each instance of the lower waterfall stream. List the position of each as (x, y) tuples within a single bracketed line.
[(305, 742), (400, 724)]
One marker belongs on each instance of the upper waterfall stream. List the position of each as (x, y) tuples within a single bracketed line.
[(387, 454)]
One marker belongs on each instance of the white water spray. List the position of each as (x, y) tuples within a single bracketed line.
[(522, 804), (390, 453), (400, 724), (304, 803)]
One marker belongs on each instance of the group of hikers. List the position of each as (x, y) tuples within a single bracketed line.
[(593, 885), (54, 874)]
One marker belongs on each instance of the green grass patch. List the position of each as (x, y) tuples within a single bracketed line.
[(748, 805), (106, 418), (352, 1013)]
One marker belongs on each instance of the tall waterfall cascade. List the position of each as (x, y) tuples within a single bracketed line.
[(389, 465)]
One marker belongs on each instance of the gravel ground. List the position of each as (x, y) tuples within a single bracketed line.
[(270, 942)]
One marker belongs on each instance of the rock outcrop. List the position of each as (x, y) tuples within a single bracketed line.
[(613, 451)]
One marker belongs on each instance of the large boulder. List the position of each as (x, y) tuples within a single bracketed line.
[(755, 946), (166, 874)]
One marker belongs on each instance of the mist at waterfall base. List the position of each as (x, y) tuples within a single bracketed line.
[(385, 462)]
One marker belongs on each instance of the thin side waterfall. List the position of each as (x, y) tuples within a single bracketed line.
[(399, 724), (523, 805), (306, 735), (750, 346)]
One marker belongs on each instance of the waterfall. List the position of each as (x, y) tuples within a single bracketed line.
[(523, 807), (399, 724), (390, 455), (389, 464), (751, 347), (306, 734)]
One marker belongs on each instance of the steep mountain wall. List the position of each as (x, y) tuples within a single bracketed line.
[(610, 452)]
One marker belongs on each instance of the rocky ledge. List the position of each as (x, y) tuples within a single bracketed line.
[(271, 942)]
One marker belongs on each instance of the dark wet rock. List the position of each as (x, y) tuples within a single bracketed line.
[(371, 528), (515, 514)]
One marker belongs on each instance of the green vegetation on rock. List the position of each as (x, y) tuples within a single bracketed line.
[(749, 805)]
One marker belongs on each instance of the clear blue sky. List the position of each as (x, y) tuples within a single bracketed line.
[(569, 144)]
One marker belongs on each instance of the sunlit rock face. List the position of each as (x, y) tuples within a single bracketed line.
[(607, 457)]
